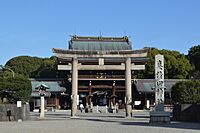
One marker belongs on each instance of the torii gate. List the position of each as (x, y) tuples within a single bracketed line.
[(128, 58)]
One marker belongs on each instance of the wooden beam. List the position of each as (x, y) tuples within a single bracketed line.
[(62, 53), (102, 79), (101, 67)]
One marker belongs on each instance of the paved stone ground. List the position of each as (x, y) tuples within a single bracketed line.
[(59, 122)]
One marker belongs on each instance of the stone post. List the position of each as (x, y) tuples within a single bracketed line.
[(128, 87), (159, 82), (41, 107), (159, 115), (74, 86)]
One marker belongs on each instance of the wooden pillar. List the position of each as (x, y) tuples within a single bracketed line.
[(87, 101), (34, 103), (90, 93), (145, 101), (56, 101), (88, 98), (74, 86), (113, 93)]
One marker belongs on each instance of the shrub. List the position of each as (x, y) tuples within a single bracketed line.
[(186, 92), (17, 88)]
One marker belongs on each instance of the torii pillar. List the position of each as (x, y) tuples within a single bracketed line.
[(128, 87), (74, 86)]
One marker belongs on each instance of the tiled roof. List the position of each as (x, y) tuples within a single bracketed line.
[(99, 38), (54, 86), (147, 85), (99, 43)]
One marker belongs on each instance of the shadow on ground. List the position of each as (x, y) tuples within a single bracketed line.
[(137, 122), (139, 119)]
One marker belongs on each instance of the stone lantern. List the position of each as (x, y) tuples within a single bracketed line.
[(42, 92)]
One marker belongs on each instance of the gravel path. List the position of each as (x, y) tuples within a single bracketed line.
[(60, 122)]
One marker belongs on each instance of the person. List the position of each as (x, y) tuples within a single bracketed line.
[(117, 107), (81, 107)]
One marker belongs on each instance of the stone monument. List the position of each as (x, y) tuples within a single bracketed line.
[(159, 115)]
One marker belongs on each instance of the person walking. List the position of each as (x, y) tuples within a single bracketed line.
[(81, 107)]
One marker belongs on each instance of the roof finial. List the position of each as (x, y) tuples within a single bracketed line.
[(74, 31), (100, 33), (100, 36), (125, 33)]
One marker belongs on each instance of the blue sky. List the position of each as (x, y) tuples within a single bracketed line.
[(34, 27)]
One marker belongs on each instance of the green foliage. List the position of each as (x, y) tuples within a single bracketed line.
[(33, 67), (194, 57), (177, 66), (186, 92), (196, 74), (5, 73), (47, 69), (24, 65), (17, 88)]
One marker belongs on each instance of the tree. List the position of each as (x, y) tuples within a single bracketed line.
[(194, 57), (47, 69), (186, 92), (34, 67), (17, 88), (24, 65), (177, 66)]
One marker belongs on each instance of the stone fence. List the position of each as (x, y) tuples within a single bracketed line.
[(186, 112), (10, 112)]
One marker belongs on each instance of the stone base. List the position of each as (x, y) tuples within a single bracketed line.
[(74, 117), (100, 109), (159, 117)]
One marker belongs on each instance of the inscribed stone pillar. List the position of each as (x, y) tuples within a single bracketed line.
[(159, 115), (159, 84), (128, 87), (74, 86)]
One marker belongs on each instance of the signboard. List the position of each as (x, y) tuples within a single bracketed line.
[(77, 99), (148, 104), (137, 103), (19, 104)]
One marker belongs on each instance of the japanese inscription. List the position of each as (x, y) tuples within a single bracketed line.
[(159, 79)]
